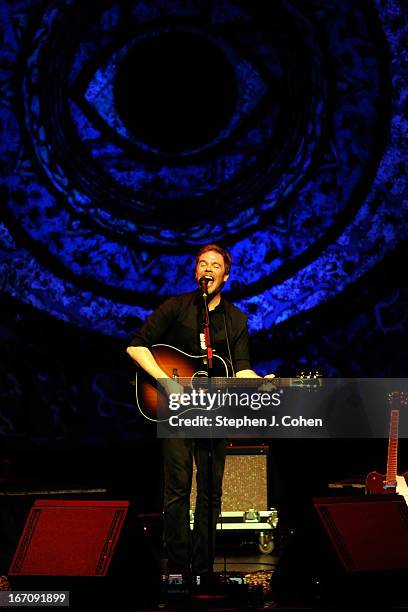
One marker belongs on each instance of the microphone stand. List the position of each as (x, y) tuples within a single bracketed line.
[(206, 328), (210, 487)]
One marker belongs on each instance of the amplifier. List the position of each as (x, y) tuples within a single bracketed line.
[(244, 507), (245, 483)]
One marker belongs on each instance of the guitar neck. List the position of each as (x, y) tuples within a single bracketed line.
[(223, 381), (392, 458)]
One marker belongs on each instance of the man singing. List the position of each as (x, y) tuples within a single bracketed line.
[(179, 322)]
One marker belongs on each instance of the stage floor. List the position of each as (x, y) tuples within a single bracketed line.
[(135, 583), (243, 575)]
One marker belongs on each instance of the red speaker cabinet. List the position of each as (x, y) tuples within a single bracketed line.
[(368, 533), (69, 538), (347, 550)]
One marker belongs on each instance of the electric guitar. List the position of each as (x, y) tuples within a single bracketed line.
[(189, 372), (391, 482)]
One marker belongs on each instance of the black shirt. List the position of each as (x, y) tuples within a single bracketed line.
[(178, 322)]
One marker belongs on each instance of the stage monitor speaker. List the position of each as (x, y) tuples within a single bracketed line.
[(346, 549), (69, 538)]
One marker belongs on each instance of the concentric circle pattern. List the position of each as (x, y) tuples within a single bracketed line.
[(137, 131)]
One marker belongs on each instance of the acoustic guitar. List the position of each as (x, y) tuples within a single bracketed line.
[(190, 372), (391, 482)]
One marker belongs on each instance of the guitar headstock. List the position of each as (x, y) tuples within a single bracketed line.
[(309, 379), (396, 399), (310, 374)]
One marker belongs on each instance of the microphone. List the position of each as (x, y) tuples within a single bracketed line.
[(203, 282)]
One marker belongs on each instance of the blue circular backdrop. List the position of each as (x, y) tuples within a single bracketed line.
[(135, 132)]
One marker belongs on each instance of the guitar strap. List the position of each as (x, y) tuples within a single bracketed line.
[(228, 344)]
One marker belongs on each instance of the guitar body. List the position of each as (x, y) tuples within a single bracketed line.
[(177, 364), (187, 370), (375, 483)]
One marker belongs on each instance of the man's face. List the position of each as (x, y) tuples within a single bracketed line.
[(211, 264)]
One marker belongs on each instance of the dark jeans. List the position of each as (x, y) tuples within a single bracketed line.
[(178, 470)]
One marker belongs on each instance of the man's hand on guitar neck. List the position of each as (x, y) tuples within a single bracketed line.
[(251, 374), (265, 386)]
